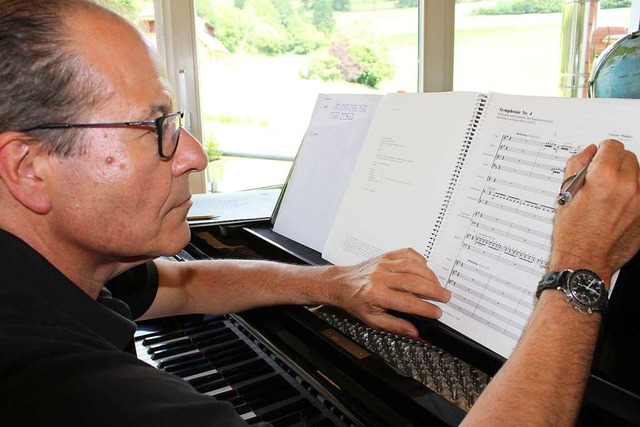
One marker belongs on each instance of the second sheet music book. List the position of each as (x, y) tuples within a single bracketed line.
[(470, 180)]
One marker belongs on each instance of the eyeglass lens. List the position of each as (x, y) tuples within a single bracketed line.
[(170, 135)]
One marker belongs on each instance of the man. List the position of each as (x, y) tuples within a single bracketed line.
[(92, 203)]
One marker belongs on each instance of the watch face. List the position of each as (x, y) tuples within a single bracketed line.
[(587, 289)]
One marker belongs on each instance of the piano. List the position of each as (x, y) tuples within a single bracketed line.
[(317, 366)]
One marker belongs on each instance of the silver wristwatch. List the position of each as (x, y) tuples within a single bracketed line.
[(584, 289)]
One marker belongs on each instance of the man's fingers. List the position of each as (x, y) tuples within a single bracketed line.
[(405, 303), (405, 253), (393, 324), (414, 277), (610, 154), (578, 160)]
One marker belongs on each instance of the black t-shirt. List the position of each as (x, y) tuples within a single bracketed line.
[(68, 360)]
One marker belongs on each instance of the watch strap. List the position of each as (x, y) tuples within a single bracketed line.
[(553, 280)]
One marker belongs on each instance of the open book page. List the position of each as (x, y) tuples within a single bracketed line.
[(323, 166), (402, 175), (494, 244)]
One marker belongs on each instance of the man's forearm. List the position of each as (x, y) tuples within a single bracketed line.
[(542, 383), (229, 286)]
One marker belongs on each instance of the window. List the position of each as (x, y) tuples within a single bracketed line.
[(140, 12), (262, 64), (498, 48)]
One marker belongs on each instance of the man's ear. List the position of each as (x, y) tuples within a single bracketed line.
[(19, 157)]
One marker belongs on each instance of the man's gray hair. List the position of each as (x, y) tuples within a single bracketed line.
[(42, 78)]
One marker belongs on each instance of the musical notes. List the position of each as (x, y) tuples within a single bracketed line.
[(508, 232)]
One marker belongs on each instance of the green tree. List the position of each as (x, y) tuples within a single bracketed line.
[(269, 27), (230, 25), (355, 61), (323, 17), (342, 5)]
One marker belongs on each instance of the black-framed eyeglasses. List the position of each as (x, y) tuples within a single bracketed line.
[(167, 129)]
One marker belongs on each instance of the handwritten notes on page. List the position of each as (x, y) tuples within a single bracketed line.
[(323, 166)]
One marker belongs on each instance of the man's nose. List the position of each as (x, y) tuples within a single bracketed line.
[(190, 155)]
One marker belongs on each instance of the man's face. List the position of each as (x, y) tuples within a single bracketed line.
[(119, 199)]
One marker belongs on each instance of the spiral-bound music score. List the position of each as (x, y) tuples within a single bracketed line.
[(471, 181), (508, 236)]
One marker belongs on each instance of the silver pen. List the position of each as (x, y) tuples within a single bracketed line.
[(575, 182)]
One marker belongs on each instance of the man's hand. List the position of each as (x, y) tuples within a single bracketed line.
[(600, 228), (398, 280)]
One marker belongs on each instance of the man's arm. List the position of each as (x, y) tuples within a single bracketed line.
[(544, 380), (367, 290)]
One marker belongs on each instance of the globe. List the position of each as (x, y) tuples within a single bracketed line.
[(616, 72)]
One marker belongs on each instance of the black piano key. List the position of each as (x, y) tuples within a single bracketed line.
[(192, 373), (191, 368), (191, 363), (204, 377), (218, 337), (175, 342), (219, 334), (218, 349), (160, 336), (252, 376), (165, 353), (213, 385), (249, 375), (242, 408), (200, 374), (239, 353), (176, 355), (171, 361), (227, 358), (264, 393), (243, 369)]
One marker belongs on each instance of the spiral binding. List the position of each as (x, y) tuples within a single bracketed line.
[(462, 157)]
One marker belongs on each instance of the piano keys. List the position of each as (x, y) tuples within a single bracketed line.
[(219, 358)]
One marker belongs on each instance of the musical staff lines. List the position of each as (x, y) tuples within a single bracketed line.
[(524, 187), (505, 307), (486, 223), (507, 242), (504, 254), (488, 195)]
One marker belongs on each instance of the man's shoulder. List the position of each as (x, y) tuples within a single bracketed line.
[(63, 384)]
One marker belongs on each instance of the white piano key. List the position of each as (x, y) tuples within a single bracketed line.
[(218, 391), (201, 374), (248, 415)]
